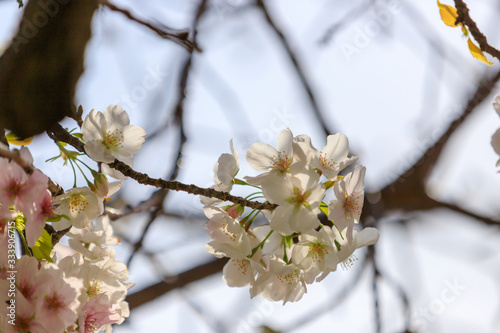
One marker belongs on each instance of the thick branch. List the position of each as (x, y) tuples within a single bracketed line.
[(408, 191), (158, 289), (464, 17)]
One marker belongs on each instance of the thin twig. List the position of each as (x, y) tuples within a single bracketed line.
[(354, 13), (189, 188), (465, 212), (60, 134), (180, 37), (464, 17), (298, 69)]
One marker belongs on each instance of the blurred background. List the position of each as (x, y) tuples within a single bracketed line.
[(388, 74)]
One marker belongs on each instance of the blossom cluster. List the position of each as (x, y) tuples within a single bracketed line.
[(79, 286), (278, 259)]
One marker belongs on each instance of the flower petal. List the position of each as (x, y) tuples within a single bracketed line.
[(261, 156)]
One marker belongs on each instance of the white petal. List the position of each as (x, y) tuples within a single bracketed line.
[(227, 168), (337, 147), (238, 273), (235, 153), (116, 117), (261, 156), (133, 138), (93, 126), (276, 188), (367, 236), (113, 172), (98, 152), (355, 181), (285, 142)]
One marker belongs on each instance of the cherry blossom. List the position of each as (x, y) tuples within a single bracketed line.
[(228, 236), (333, 157), (315, 252), (346, 210), (17, 188), (109, 136), (240, 272), (80, 204), (263, 157), (35, 218), (96, 313), (298, 197), (57, 298), (280, 282), (225, 170)]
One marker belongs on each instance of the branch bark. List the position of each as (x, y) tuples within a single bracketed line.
[(465, 18)]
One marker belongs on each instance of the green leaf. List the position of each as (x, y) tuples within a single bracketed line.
[(324, 209), (57, 218), (20, 222), (43, 247)]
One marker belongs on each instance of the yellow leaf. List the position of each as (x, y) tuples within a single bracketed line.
[(448, 14), (477, 53), (17, 141)]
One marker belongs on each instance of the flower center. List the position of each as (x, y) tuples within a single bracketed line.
[(317, 251), (282, 163), (287, 278), (114, 139), (225, 230), (14, 187), (327, 163), (241, 265), (352, 204), (93, 289), (78, 204), (54, 302)]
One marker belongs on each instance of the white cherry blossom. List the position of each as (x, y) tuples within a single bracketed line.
[(80, 204), (229, 239), (109, 136), (298, 197), (263, 157), (333, 157), (315, 253), (225, 170), (280, 282), (346, 210)]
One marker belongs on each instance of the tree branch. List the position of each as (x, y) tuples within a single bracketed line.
[(298, 69), (158, 289), (180, 37), (412, 182), (189, 188), (60, 134), (464, 17)]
